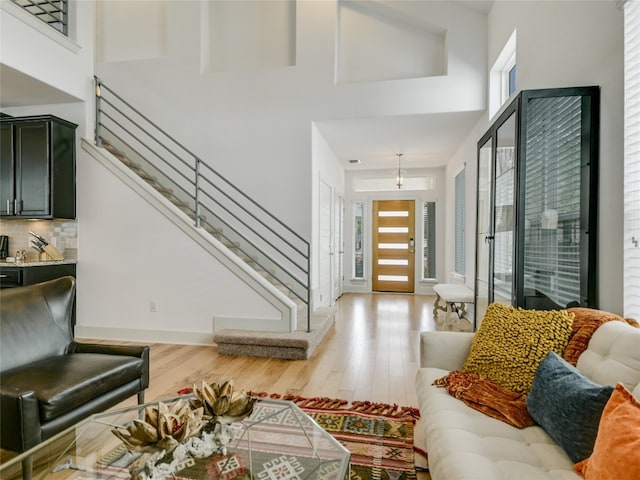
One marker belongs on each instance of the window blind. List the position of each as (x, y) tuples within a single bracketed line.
[(552, 198), (632, 159), (429, 240), (459, 266)]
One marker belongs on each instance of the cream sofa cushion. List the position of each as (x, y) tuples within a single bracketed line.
[(464, 444)]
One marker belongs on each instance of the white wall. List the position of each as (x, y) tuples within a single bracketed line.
[(130, 254), (255, 126), (40, 52), (564, 44), (259, 121)]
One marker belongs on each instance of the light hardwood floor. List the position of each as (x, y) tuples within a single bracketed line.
[(372, 353)]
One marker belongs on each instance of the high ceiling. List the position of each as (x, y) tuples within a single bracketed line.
[(425, 140)]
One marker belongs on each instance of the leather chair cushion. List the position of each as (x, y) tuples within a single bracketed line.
[(64, 382)]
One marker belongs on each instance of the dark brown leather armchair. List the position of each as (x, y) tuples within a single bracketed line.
[(48, 381)]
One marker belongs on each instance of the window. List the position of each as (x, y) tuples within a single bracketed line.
[(511, 82), (459, 266), (358, 240), (503, 76), (388, 184), (429, 241), (632, 160)]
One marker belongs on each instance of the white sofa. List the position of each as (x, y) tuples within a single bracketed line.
[(464, 444)]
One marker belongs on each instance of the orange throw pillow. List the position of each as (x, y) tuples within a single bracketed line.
[(616, 453)]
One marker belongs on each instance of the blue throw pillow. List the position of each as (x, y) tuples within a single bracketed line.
[(567, 405)]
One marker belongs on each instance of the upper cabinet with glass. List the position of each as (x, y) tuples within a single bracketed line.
[(537, 202)]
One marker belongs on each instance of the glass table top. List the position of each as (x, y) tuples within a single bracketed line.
[(278, 440)]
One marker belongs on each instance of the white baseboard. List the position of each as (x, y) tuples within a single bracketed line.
[(144, 336)]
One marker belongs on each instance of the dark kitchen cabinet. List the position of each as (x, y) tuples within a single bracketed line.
[(37, 167)]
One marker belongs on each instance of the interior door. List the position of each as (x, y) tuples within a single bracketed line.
[(393, 245), (325, 254)]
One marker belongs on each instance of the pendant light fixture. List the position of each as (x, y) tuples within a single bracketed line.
[(400, 173)]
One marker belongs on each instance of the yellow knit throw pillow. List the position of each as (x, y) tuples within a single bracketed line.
[(511, 343)]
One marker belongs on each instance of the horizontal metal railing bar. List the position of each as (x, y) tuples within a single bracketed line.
[(271, 215), (257, 262), (112, 105), (260, 236), (38, 5), (258, 219), (102, 85), (302, 270), (234, 215), (133, 149), (186, 150), (152, 151), (56, 10)]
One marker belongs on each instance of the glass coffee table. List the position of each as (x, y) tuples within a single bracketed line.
[(278, 441)]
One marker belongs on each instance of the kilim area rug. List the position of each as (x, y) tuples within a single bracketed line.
[(378, 436)]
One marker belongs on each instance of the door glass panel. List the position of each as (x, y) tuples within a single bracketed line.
[(504, 212), (483, 243), (552, 202)]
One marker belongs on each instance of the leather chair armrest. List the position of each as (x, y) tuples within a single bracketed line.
[(445, 350), (140, 351), (20, 419)]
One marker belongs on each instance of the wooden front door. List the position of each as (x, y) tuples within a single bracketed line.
[(393, 245)]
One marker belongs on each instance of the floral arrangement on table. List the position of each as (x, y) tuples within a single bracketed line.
[(197, 427)]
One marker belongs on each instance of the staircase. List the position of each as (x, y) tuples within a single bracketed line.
[(255, 245)]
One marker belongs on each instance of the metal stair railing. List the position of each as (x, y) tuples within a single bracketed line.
[(52, 12), (214, 203)]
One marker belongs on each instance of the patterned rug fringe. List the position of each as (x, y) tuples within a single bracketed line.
[(371, 408), (393, 411)]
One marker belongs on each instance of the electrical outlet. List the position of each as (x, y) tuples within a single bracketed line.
[(153, 306)]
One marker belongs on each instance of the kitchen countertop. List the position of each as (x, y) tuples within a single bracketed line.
[(37, 263)]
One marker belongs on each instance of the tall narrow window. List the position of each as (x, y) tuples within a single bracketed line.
[(459, 266), (429, 241), (511, 82), (502, 76), (358, 240), (631, 159)]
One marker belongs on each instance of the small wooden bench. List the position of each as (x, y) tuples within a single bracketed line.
[(452, 298)]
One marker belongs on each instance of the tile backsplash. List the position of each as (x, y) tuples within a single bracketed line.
[(62, 234)]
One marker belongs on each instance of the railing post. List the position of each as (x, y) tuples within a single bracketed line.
[(197, 192), (308, 288), (98, 110), (65, 17)]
